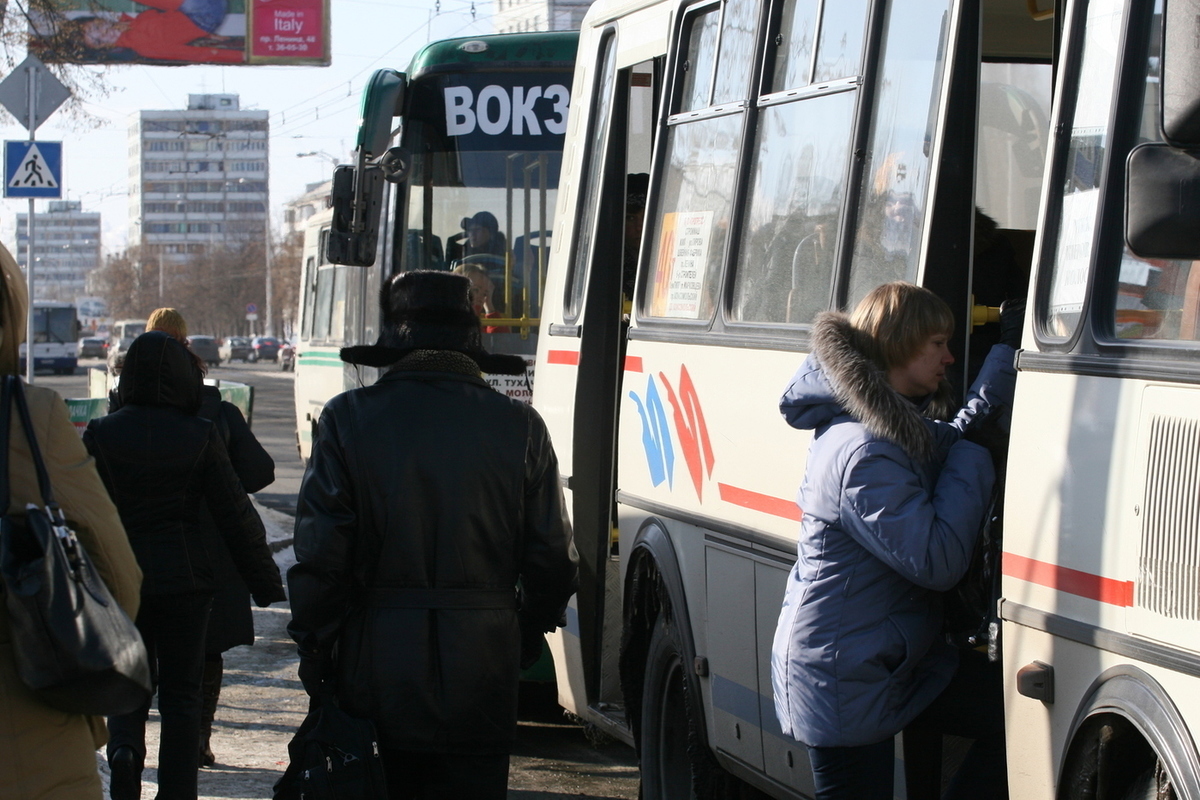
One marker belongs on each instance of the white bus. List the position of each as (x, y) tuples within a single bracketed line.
[(481, 124), (803, 152), (55, 337), (122, 333)]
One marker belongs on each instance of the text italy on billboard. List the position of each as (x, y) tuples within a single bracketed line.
[(173, 32)]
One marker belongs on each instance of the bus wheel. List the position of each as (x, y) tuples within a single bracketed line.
[(666, 767)]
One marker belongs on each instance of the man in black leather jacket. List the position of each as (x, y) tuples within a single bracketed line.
[(428, 499)]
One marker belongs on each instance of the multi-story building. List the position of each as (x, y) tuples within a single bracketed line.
[(521, 16), (198, 178), (66, 248), (296, 212)]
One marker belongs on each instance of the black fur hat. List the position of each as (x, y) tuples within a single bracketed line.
[(429, 310)]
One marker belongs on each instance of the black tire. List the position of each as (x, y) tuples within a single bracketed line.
[(666, 764)]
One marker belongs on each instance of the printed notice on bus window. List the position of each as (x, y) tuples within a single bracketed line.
[(682, 263), (1076, 230), (518, 387)]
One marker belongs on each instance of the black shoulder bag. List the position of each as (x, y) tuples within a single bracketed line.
[(333, 756), (75, 648)]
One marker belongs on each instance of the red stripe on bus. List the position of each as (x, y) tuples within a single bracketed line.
[(568, 357), (765, 503), (1072, 581)]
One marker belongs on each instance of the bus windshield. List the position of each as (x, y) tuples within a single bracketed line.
[(54, 325), (486, 156)]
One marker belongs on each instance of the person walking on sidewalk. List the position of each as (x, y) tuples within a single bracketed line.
[(429, 498), (161, 463), (231, 622)]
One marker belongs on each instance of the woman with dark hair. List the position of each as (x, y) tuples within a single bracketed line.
[(893, 499), (231, 622), (162, 464)]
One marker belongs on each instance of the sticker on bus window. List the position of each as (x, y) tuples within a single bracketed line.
[(1076, 230), (518, 387), (682, 264)]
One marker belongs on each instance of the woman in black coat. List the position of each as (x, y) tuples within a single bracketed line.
[(230, 623), (162, 464)]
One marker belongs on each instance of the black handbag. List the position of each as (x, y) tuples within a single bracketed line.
[(333, 756), (75, 648), (970, 615)]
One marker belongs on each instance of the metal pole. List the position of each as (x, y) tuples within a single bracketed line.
[(32, 73), (268, 323)]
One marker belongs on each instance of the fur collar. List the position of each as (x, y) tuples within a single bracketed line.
[(862, 388)]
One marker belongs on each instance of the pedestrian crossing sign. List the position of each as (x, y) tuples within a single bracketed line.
[(33, 169)]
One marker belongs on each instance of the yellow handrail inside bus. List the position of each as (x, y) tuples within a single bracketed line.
[(982, 315), (1037, 13)]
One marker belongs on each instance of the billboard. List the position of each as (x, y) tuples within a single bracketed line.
[(174, 32)]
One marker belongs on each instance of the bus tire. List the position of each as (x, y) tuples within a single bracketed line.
[(666, 728)]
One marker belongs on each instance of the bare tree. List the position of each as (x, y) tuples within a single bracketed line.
[(130, 284), (86, 81), (286, 270)]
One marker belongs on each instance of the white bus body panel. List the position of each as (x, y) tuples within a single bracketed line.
[(1077, 499)]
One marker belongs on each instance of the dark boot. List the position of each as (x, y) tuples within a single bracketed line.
[(126, 772), (210, 692)]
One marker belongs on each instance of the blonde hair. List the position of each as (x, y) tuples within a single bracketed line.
[(470, 269), (169, 321), (14, 313), (895, 320)]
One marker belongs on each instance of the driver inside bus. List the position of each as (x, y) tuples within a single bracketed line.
[(481, 237)]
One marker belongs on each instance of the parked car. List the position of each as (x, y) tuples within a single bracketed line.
[(287, 356), (93, 347), (265, 348), (236, 348), (206, 348)]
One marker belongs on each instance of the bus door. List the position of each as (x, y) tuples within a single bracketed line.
[(602, 261)]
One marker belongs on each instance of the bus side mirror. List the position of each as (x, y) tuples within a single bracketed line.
[(353, 236), (1162, 202), (382, 100), (1181, 74)]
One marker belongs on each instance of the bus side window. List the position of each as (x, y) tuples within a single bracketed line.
[(320, 328), (337, 312), (692, 219), (894, 186), (310, 295), (585, 224), (802, 147), (1155, 298)]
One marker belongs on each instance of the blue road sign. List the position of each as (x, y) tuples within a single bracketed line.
[(33, 169)]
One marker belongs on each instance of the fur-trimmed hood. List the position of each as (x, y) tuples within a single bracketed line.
[(838, 379)]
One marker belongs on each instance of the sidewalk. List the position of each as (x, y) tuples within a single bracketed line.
[(262, 703)]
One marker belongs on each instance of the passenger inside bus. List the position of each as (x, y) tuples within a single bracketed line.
[(483, 293)]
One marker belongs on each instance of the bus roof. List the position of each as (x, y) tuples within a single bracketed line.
[(504, 50)]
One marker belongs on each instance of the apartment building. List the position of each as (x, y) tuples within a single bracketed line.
[(198, 177), (66, 248)]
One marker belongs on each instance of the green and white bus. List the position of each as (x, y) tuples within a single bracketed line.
[(470, 136)]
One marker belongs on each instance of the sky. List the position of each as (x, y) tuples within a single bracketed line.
[(312, 108)]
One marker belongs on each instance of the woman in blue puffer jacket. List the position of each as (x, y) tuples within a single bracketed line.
[(893, 499)]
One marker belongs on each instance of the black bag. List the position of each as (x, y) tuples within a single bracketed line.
[(75, 648), (333, 757), (971, 620)]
